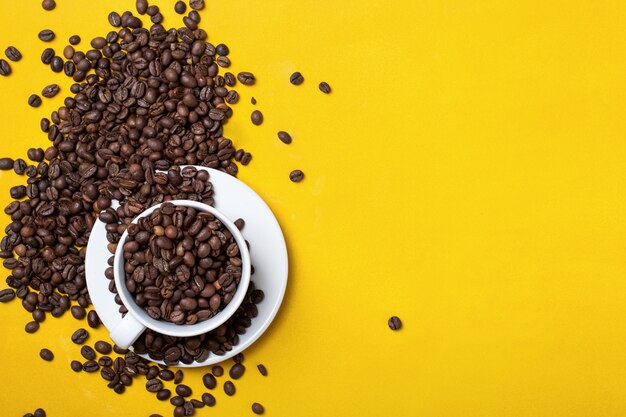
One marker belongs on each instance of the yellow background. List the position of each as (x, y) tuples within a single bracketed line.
[(467, 174)]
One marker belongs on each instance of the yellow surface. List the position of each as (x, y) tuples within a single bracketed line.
[(467, 173)]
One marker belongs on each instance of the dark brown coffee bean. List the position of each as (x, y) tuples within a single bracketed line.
[(74, 40), (119, 389), (80, 336), (209, 381), (262, 369), (229, 388), (284, 137), (93, 320), (257, 408), (152, 10), (34, 100), (183, 390), (19, 166), (232, 97), (13, 54), (47, 55), (180, 7), (166, 375), (256, 117), (76, 366), (46, 35), (142, 6), (39, 316), (179, 411), (7, 295), (178, 377), (91, 366), (296, 175), (88, 353), (46, 354), (208, 399), (115, 20), (103, 347), (296, 78), (237, 371), (196, 4), (217, 371), (108, 374), (40, 412), (253, 101), (48, 5), (394, 323), (324, 87), (56, 64), (223, 61), (5, 68), (246, 78), (154, 385), (78, 312), (177, 401), (31, 327), (196, 403)]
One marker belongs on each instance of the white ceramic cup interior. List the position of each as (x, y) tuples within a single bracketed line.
[(137, 320)]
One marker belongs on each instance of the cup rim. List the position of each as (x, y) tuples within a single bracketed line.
[(183, 330)]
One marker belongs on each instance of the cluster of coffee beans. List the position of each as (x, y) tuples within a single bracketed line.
[(181, 265)]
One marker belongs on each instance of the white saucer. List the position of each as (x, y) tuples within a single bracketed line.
[(268, 253)]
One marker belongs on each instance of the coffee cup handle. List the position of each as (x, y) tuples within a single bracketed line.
[(129, 330)]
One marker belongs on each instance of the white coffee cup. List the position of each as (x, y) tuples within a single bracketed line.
[(137, 320)]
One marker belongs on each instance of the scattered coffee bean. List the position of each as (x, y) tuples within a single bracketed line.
[(13, 54), (164, 394), (196, 4), (91, 366), (394, 323), (152, 10), (93, 320), (48, 5), (180, 7), (119, 389), (229, 388), (19, 166), (34, 100), (80, 336), (78, 312), (256, 117), (50, 91), (88, 353), (7, 294), (31, 327), (177, 401), (46, 354), (253, 101), (5, 68), (142, 6), (107, 373), (103, 347), (39, 316), (262, 369), (296, 175), (217, 371), (154, 385), (209, 381), (284, 137), (56, 64), (74, 40), (257, 408), (237, 371), (324, 87), (46, 35), (178, 377), (47, 55), (166, 375), (296, 78), (76, 366), (40, 412), (246, 78), (183, 390), (240, 223)]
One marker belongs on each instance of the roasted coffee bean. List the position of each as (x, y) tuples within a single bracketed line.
[(119, 389), (223, 61), (7, 295), (246, 78), (253, 101), (68, 52), (394, 323), (180, 7), (13, 54), (237, 371), (91, 366), (262, 369), (46, 35), (69, 68), (93, 320), (178, 377), (183, 390), (154, 385), (76, 366), (39, 316), (19, 166), (164, 394), (257, 408), (232, 97), (46, 354), (115, 20), (47, 55), (88, 353), (284, 137), (166, 375), (31, 327), (108, 374), (142, 6), (80, 336), (152, 10), (296, 78), (246, 158), (103, 347), (196, 4), (324, 87), (35, 154), (296, 175), (50, 91), (48, 4), (208, 399), (177, 401), (40, 412), (179, 411), (78, 312), (56, 64), (196, 403), (217, 371), (5, 68), (105, 361), (229, 388), (256, 117), (34, 100), (209, 381), (74, 40)]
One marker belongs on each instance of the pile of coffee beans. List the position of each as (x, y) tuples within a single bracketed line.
[(182, 265)]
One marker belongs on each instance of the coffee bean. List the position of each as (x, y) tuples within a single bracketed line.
[(256, 117), (91, 366), (253, 100), (237, 371), (196, 403), (48, 5), (262, 369), (156, 415), (232, 97), (296, 78), (40, 412), (88, 353), (13, 54), (179, 411), (80, 336), (108, 374), (209, 381), (31, 327), (178, 377), (103, 347), (208, 399), (229, 388), (296, 175), (6, 295), (180, 7), (164, 394), (324, 87), (177, 401), (223, 61), (50, 91), (183, 390), (5, 68), (19, 166), (154, 385), (152, 10), (47, 55), (46, 35), (56, 64), (284, 137), (166, 375), (34, 100), (142, 6), (196, 4), (39, 316), (74, 40), (246, 78), (35, 154), (217, 371), (394, 323), (257, 408), (46, 354), (78, 312), (119, 389), (93, 320), (76, 366)]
